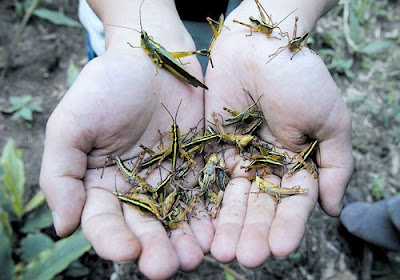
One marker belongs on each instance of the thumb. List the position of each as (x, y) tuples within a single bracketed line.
[(335, 170), (62, 171)]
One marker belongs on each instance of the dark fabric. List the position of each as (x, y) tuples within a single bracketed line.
[(377, 223), (199, 10)]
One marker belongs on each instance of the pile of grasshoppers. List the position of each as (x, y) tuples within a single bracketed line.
[(170, 203)]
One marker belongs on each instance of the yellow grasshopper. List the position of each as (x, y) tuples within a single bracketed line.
[(302, 160), (295, 44), (216, 32), (261, 25), (275, 191), (164, 58)]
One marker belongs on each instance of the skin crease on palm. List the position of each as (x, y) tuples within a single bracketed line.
[(115, 105)]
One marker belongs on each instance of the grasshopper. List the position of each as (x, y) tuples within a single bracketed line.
[(261, 25), (138, 183), (302, 159), (208, 173), (163, 58), (294, 45), (216, 200), (216, 32), (262, 161), (275, 191), (175, 146), (250, 114), (241, 140)]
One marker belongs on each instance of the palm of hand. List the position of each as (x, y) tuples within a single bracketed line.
[(115, 105), (300, 102)]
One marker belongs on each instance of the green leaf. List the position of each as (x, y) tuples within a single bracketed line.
[(55, 17), (37, 200), (76, 269), (72, 74), (23, 108), (228, 275), (19, 102), (55, 259), (33, 245), (354, 26), (6, 261), (26, 114), (14, 177), (377, 46), (36, 108), (38, 219)]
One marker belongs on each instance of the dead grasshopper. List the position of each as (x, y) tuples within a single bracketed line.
[(275, 191), (264, 161), (167, 211), (163, 58), (241, 140), (261, 25), (215, 201), (294, 45), (222, 175), (302, 160), (208, 173), (216, 32), (139, 184), (175, 147), (180, 212), (250, 113), (140, 203)]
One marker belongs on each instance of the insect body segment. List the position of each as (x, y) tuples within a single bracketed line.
[(163, 58)]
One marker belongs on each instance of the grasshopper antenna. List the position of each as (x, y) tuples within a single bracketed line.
[(177, 110), (285, 16), (120, 26), (140, 15)]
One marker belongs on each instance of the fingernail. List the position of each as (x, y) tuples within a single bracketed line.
[(56, 221)]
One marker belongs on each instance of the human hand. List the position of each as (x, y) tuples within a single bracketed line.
[(300, 102), (112, 108)]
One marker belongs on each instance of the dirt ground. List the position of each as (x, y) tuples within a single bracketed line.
[(327, 251)]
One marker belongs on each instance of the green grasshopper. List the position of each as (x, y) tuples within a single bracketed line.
[(164, 58)]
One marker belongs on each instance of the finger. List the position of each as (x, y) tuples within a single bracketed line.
[(158, 259), (202, 227), (63, 167), (104, 226), (292, 214), (189, 252), (336, 168), (253, 247), (230, 220)]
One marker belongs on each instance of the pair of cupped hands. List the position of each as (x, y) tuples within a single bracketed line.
[(115, 105)]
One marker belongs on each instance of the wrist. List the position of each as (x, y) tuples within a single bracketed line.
[(307, 11), (158, 18)]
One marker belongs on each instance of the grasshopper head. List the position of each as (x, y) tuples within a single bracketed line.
[(245, 140)]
